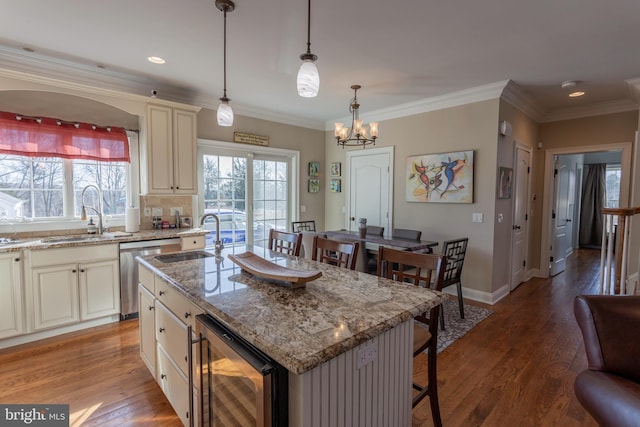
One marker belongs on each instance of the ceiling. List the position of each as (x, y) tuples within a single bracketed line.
[(402, 53)]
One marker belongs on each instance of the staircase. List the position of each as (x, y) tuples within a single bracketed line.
[(617, 249)]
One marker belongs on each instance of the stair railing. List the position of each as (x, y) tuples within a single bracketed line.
[(620, 234)]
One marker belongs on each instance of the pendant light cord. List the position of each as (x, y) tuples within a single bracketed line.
[(309, 28), (225, 52)]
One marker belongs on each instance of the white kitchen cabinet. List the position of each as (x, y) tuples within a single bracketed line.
[(55, 296), (11, 322), (99, 289), (164, 336), (63, 293), (146, 307), (169, 152)]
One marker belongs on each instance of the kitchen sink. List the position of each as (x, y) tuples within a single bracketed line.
[(63, 239), (183, 256), (8, 241)]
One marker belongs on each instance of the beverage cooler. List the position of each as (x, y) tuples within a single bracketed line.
[(240, 385)]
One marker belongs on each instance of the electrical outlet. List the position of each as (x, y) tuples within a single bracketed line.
[(172, 211), (147, 211), (156, 211), (366, 355)]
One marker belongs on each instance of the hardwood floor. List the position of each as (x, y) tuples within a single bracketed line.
[(516, 368)]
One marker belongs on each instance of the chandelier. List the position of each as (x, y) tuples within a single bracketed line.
[(358, 135), (225, 113)]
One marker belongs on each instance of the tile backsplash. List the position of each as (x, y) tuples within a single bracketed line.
[(165, 203)]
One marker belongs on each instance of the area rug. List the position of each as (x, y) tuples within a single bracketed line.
[(454, 326)]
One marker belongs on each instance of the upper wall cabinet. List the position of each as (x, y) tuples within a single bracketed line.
[(170, 151)]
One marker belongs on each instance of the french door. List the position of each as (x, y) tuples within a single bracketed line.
[(249, 191)]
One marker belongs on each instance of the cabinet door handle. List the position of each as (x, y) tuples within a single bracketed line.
[(161, 330), (82, 270), (151, 307), (163, 376), (161, 293), (187, 315), (74, 271), (18, 259)]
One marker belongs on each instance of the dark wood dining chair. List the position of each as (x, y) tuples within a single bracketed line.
[(455, 251), (335, 252), (426, 270), (406, 234), (287, 243), (375, 230), (298, 226)]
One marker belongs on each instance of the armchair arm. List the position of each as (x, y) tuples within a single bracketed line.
[(609, 325)]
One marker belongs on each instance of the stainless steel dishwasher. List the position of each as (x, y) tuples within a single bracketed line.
[(129, 270)]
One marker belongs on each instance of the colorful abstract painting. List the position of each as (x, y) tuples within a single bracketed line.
[(440, 178)]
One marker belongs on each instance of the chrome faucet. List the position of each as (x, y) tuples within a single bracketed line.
[(98, 211), (218, 245)]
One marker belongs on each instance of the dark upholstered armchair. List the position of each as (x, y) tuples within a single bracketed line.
[(610, 389)]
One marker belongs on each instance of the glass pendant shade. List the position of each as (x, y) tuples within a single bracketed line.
[(308, 79), (225, 114)]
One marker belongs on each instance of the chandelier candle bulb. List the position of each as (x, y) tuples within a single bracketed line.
[(356, 136)]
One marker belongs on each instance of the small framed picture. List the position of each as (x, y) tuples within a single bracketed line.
[(336, 168), (314, 168), (505, 178), (335, 186), (314, 185)]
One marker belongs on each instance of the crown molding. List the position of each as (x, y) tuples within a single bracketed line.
[(520, 99), (611, 107), (212, 103), (71, 75), (453, 99)]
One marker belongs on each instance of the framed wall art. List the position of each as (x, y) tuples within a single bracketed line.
[(336, 169), (314, 168), (314, 185), (440, 178), (336, 186), (505, 178)]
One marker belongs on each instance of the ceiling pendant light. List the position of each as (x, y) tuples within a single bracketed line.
[(356, 136), (225, 113), (308, 76)]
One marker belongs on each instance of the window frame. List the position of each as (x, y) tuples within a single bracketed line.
[(68, 220), (250, 152)]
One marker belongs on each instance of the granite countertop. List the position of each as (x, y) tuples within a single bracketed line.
[(47, 242), (299, 328)]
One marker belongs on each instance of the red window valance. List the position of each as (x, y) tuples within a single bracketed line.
[(47, 137)]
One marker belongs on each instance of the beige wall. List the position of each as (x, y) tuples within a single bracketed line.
[(469, 127), (309, 142), (524, 132)]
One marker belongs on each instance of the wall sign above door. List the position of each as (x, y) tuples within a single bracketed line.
[(250, 138)]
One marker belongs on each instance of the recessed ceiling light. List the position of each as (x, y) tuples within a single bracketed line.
[(156, 60), (576, 94)]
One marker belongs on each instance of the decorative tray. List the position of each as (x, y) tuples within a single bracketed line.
[(262, 268)]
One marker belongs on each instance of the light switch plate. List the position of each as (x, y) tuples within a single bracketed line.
[(477, 217), (156, 211)]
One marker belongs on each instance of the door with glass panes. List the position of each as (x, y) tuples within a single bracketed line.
[(249, 193)]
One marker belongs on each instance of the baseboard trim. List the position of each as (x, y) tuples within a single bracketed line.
[(23, 339), (480, 296)]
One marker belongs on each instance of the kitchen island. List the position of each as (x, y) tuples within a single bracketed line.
[(346, 338)]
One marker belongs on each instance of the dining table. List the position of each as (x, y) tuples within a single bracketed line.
[(370, 243)]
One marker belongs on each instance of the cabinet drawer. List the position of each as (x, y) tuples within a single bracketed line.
[(179, 305), (174, 385), (76, 254), (145, 278), (195, 242), (171, 334)]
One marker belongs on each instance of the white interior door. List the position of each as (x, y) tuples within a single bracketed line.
[(519, 235), (370, 186), (559, 216)]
